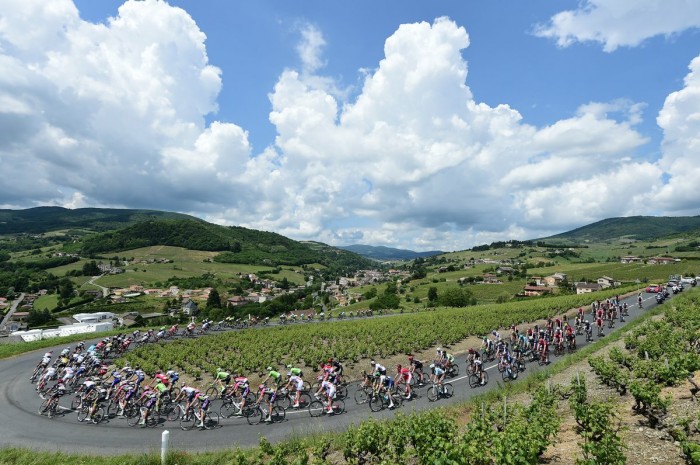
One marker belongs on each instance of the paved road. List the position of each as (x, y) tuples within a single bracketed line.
[(21, 425), (12, 310), (105, 291)]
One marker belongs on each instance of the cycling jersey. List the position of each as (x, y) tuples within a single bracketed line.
[(297, 382), (295, 371)]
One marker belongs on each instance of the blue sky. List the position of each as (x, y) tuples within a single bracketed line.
[(411, 124)]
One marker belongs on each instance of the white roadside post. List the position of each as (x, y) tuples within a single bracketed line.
[(164, 446)]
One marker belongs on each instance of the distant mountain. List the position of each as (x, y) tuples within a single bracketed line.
[(387, 253), (45, 219), (643, 228), (116, 230)]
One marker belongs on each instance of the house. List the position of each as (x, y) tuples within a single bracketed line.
[(490, 278), (19, 316), (630, 259), (505, 269), (555, 279), (538, 280), (606, 282), (585, 288), (190, 308), (531, 291), (96, 294), (661, 260), (236, 301)]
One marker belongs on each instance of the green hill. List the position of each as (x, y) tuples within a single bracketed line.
[(642, 228), (388, 253), (45, 219), (237, 244)]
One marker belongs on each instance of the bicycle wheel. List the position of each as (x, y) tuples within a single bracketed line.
[(454, 371), (211, 420), (228, 409), (501, 367), (397, 398), (338, 406), (133, 416), (361, 396), (187, 421), (253, 415), (83, 413), (448, 391), (212, 393), (376, 402), (45, 406), (432, 393), (285, 401), (307, 386), (304, 400), (341, 392), (112, 409), (277, 414), (98, 416), (316, 408), (175, 413), (474, 380), (76, 402)]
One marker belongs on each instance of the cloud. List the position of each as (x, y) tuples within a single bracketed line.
[(621, 23), (114, 114), (680, 120)]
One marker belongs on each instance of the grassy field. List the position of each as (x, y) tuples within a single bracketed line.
[(184, 263), (49, 301)]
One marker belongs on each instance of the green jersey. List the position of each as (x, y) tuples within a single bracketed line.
[(160, 387), (222, 375), (295, 371), (276, 375)]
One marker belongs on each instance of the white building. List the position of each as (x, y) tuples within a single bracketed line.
[(96, 317)]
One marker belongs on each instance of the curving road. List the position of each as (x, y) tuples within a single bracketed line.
[(22, 426)]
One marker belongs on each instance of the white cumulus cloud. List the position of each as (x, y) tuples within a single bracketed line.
[(621, 23)]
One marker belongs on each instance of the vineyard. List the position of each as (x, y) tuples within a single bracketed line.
[(658, 354), (252, 350)]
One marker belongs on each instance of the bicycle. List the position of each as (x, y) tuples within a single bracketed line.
[(320, 407), (49, 407), (287, 399), (559, 349), (363, 394), (254, 413), (510, 373), (475, 379), (232, 405), (444, 390), (191, 418), (380, 401), (97, 416)]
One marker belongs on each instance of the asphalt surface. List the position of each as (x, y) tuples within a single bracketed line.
[(21, 425)]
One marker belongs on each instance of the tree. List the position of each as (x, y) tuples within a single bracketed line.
[(391, 288), (65, 288), (433, 294), (214, 299), (456, 297), (370, 294)]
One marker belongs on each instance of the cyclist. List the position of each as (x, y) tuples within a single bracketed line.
[(383, 383), (151, 398), (416, 367), (173, 377), (269, 395), (45, 360), (337, 369), (448, 360), (639, 300), (298, 383), (570, 336), (478, 367), (542, 348), (558, 340), (191, 393), (46, 377), (101, 395), (275, 376), (329, 389), (404, 374), (599, 325), (438, 375), (588, 329), (204, 402), (242, 383), (376, 367)]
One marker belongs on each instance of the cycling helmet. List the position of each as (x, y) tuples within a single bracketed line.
[(410, 357), (221, 369), (377, 374), (289, 366), (432, 365), (269, 368), (398, 366), (372, 363)]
